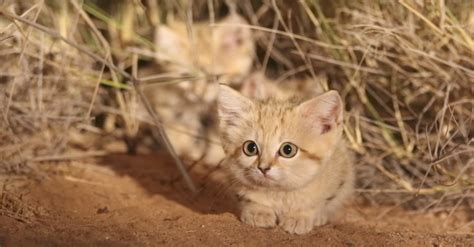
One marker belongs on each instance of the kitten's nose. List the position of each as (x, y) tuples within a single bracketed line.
[(264, 170)]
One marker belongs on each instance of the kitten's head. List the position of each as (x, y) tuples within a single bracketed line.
[(278, 144), (226, 48), (233, 45)]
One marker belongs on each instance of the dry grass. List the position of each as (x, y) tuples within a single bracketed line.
[(404, 68)]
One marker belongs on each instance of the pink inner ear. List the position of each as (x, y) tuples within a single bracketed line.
[(325, 128), (334, 113), (331, 119), (322, 114)]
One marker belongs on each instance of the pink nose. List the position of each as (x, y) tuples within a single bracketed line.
[(264, 170)]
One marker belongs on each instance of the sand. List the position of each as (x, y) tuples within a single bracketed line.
[(139, 200)]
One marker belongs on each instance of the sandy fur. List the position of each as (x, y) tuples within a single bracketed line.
[(300, 192)]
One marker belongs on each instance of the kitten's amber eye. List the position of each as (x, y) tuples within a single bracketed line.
[(250, 148), (288, 150)]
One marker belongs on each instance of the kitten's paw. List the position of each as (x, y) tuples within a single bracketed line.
[(321, 219), (300, 224), (258, 216)]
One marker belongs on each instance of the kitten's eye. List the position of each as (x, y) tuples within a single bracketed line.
[(288, 150), (250, 148)]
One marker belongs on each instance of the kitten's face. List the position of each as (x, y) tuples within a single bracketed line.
[(279, 145), (209, 49)]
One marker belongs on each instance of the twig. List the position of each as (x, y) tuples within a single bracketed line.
[(74, 156), (83, 181)]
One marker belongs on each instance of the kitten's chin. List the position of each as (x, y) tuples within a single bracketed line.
[(255, 180), (274, 184), (263, 182), (270, 183), (258, 182)]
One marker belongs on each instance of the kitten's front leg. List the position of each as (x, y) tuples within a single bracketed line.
[(299, 223), (321, 218), (258, 215)]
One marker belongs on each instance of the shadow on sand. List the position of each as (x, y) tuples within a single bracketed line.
[(158, 174)]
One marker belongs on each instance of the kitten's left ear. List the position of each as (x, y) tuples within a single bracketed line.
[(323, 112)]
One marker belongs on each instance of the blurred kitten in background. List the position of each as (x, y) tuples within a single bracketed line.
[(187, 108), (225, 48)]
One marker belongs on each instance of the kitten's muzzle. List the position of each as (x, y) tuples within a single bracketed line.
[(264, 170)]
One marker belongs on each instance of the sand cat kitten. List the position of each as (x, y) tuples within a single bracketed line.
[(288, 158), (187, 108), (226, 49)]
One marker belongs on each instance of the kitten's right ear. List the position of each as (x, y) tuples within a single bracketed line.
[(232, 105)]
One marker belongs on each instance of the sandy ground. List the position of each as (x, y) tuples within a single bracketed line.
[(138, 201)]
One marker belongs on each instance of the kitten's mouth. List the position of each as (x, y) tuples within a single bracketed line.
[(261, 180), (254, 178)]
